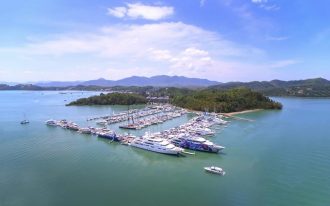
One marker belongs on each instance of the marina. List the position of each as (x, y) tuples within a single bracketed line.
[(191, 135), (137, 119)]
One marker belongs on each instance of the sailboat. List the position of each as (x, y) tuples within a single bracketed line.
[(130, 125), (25, 121)]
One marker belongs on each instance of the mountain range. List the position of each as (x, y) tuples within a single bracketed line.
[(157, 81), (317, 87)]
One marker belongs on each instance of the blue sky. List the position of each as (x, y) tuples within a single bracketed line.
[(223, 40)]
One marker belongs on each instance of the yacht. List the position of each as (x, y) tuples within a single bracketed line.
[(196, 143), (156, 145)]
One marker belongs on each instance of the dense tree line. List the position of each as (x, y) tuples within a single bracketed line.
[(232, 100), (111, 99)]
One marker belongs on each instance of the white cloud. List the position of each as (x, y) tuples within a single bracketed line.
[(138, 10), (118, 12), (259, 1), (264, 4), (277, 38), (118, 51), (202, 3), (272, 7), (283, 63)]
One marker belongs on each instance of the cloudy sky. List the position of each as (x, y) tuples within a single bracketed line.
[(223, 40)]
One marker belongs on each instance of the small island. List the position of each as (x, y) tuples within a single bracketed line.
[(111, 99)]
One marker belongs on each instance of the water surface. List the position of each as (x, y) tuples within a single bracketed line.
[(282, 158)]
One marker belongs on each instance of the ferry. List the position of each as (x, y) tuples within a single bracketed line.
[(156, 145)]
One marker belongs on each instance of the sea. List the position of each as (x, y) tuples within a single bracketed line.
[(281, 158)]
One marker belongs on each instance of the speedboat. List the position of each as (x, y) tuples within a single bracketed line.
[(215, 170)]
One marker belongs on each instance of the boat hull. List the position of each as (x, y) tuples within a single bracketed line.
[(168, 152)]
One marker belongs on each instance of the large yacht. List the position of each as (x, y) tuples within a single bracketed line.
[(156, 144), (196, 143)]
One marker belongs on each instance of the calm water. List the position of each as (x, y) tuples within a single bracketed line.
[(282, 158)]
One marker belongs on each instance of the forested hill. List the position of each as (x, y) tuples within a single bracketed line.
[(232, 100), (110, 99), (317, 87)]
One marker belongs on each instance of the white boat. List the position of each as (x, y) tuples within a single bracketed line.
[(102, 122), (215, 170), (156, 145)]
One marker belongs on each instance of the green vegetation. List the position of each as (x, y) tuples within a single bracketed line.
[(232, 100), (111, 99)]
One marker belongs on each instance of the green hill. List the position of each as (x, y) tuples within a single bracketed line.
[(110, 99), (231, 100)]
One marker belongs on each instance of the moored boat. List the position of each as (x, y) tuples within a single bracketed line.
[(51, 122), (156, 145), (196, 143)]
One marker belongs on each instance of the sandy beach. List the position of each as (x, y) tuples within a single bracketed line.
[(241, 112)]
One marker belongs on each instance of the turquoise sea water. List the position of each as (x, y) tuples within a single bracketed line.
[(282, 158)]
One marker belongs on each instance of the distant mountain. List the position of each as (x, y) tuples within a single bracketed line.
[(57, 84), (317, 87), (159, 81), (9, 83)]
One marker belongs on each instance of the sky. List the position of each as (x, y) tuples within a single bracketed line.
[(222, 40)]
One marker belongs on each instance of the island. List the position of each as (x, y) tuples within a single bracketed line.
[(111, 99), (231, 100)]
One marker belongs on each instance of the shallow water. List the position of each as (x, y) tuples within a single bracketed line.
[(282, 158)]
